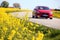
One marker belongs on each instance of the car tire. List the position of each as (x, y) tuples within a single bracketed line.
[(33, 16), (51, 18)]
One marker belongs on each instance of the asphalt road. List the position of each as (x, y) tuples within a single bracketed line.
[(53, 23)]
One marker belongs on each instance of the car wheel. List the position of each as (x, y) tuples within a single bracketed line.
[(33, 16), (50, 18)]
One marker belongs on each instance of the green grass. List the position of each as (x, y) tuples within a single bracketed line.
[(50, 33), (53, 35)]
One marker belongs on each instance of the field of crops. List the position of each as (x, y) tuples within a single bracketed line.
[(56, 14), (12, 28)]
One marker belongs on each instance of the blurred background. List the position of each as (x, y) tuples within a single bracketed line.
[(30, 4)]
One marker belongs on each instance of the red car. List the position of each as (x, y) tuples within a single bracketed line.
[(42, 11)]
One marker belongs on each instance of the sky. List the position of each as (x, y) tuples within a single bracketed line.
[(31, 4)]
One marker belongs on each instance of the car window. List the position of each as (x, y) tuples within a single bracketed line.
[(45, 8), (42, 8)]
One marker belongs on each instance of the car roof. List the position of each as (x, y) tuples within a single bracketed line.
[(41, 6)]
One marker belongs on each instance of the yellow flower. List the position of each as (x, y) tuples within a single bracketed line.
[(25, 28), (19, 34), (33, 38), (2, 38), (30, 31), (31, 24), (26, 39), (11, 34), (37, 25), (5, 28), (39, 36)]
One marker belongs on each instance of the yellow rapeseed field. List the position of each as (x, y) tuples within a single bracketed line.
[(56, 14), (12, 28)]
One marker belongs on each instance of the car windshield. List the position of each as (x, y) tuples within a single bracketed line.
[(43, 8)]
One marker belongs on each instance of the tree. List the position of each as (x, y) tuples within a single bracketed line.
[(4, 4), (16, 5)]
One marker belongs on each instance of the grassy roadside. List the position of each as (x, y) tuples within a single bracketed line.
[(53, 34)]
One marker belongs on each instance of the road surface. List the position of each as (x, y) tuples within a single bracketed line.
[(53, 23)]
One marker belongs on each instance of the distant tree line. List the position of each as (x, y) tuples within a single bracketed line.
[(16, 5), (5, 4), (57, 9)]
